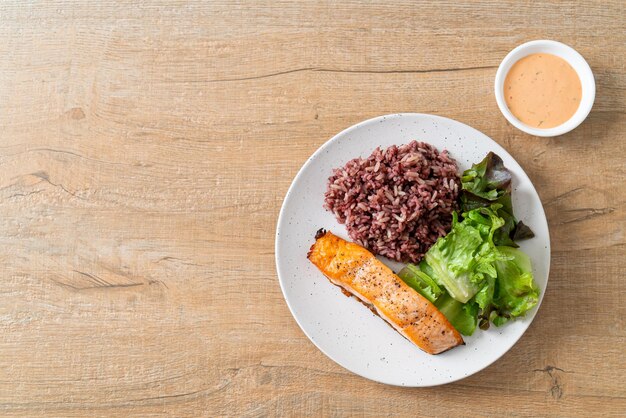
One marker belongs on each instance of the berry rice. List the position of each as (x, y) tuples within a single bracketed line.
[(397, 202)]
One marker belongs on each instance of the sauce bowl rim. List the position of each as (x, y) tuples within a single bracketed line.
[(573, 58)]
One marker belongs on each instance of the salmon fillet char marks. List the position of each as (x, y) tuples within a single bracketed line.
[(359, 273)]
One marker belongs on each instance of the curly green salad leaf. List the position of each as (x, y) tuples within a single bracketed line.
[(463, 259), (489, 182), (489, 179), (475, 275)]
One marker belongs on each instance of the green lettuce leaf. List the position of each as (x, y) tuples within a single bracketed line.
[(462, 260), (462, 316), (489, 179), (516, 291), (489, 182), (421, 282)]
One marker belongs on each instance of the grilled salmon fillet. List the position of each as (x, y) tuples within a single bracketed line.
[(362, 275)]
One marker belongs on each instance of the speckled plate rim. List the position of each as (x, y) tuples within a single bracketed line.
[(497, 148)]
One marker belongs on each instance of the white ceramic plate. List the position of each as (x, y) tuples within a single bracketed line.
[(341, 327)]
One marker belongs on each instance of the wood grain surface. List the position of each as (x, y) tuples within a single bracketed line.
[(145, 149)]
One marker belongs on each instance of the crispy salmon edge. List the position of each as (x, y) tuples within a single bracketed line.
[(319, 234)]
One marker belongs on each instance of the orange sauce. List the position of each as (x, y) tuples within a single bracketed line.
[(542, 90)]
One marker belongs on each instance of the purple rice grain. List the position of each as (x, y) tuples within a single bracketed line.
[(397, 202)]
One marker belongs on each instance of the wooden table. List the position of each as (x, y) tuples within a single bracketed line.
[(145, 152)]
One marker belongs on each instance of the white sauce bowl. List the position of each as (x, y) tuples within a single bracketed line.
[(574, 59)]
